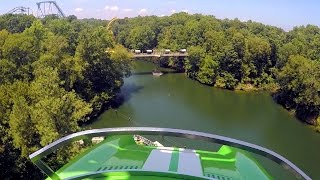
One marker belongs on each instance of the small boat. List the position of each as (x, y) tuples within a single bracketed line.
[(157, 73)]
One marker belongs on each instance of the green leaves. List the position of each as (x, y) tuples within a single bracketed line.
[(141, 37), (172, 37), (7, 71), (16, 23), (300, 76), (22, 128), (105, 66), (19, 48), (258, 52), (3, 36), (47, 87), (122, 59), (192, 63), (208, 71)]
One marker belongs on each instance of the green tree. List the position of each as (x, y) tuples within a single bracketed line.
[(172, 38), (46, 90), (230, 62), (7, 71), (55, 111), (3, 36), (208, 71), (214, 42), (122, 59), (258, 53), (103, 76), (194, 33), (141, 37), (285, 52), (192, 63), (61, 27), (239, 44), (227, 81), (16, 23), (19, 52), (299, 87)]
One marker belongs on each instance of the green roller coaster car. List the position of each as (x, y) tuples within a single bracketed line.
[(120, 157)]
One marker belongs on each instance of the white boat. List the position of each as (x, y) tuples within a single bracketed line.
[(157, 73)]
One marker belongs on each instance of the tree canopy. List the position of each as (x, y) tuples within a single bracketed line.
[(54, 75)]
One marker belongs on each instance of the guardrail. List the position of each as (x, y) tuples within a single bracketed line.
[(38, 155)]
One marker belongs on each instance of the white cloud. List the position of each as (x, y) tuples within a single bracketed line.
[(162, 15), (172, 2), (127, 10), (185, 10), (78, 9), (173, 11), (111, 8), (142, 11), (114, 8)]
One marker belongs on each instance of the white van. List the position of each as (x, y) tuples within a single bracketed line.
[(183, 51), (137, 51)]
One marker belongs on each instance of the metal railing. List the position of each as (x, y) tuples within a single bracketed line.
[(159, 53), (38, 155)]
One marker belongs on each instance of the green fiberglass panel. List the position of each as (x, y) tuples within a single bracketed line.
[(231, 163), (121, 154), (114, 153)]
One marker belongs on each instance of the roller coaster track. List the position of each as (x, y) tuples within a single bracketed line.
[(110, 23), (20, 10), (45, 8)]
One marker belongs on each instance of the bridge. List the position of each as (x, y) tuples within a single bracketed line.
[(159, 54)]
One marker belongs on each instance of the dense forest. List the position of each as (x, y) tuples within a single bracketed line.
[(54, 75), (236, 55)]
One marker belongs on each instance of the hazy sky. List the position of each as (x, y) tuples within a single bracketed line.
[(281, 13)]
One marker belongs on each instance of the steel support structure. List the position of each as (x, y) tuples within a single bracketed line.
[(46, 8)]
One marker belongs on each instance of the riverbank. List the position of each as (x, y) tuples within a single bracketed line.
[(272, 89)]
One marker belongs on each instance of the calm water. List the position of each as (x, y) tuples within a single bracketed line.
[(175, 101)]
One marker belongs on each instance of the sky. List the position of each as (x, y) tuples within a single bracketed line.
[(281, 13)]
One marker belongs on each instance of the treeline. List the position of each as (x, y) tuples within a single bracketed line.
[(236, 55), (54, 74)]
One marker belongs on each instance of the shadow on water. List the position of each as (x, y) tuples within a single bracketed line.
[(125, 95)]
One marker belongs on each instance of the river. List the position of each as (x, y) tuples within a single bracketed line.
[(175, 101)]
